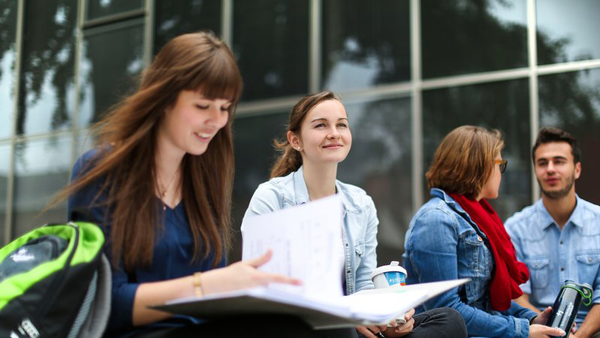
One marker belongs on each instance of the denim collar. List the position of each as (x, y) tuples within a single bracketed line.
[(451, 203), (577, 216), (303, 197)]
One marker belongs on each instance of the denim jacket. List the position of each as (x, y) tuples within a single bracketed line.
[(444, 243), (360, 222)]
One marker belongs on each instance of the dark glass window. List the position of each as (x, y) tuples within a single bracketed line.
[(500, 105), (4, 169), (571, 101), (99, 8), (461, 37), (41, 169), (176, 17), (270, 39), (380, 163), (567, 30), (112, 60), (254, 156), (8, 24), (365, 43), (48, 57)]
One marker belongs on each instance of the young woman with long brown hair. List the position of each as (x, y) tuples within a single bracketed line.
[(159, 184), (318, 138)]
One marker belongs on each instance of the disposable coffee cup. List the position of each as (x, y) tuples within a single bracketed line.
[(389, 275)]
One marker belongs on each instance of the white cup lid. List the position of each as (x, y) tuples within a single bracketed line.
[(394, 266)]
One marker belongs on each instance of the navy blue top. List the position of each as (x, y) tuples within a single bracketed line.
[(172, 257)]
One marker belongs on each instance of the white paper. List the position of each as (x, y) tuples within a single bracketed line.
[(306, 241)]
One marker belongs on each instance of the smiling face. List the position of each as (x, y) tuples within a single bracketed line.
[(324, 135), (192, 122), (555, 169)]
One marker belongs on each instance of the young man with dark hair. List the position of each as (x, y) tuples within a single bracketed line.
[(558, 237)]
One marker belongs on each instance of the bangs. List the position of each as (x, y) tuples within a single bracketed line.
[(218, 78)]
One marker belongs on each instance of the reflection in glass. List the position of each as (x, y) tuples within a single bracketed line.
[(4, 169), (100, 8), (365, 43), (254, 156), (567, 30), (461, 37), (175, 17), (270, 40), (113, 58), (500, 105), (571, 101), (380, 163), (48, 56), (8, 24), (41, 169)]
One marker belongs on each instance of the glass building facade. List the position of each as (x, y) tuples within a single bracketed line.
[(408, 71)]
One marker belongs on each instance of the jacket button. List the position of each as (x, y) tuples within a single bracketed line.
[(479, 238), (590, 259)]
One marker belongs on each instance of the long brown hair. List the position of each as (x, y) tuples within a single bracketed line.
[(126, 162), (291, 159), (464, 160)]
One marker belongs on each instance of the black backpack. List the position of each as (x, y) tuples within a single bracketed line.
[(55, 282)]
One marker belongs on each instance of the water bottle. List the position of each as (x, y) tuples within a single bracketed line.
[(566, 305)]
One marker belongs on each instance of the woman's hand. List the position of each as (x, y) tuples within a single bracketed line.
[(242, 275), (371, 331), (394, 331), (543, 331), (542, 318)]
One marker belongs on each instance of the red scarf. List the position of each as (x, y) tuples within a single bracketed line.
[(509, 272)]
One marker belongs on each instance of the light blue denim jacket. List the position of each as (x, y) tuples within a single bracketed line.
[(360, 222), (554, 255), (443, 243)]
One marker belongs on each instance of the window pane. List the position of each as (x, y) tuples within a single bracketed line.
[(46, 95), (270, 39), (113, 58), (365, 43), (571, 101), (175, 17), (42, 169), (254, 156), (500, 105), (461, 37), (100, 8), (4, 168), (380, 163), (8, 24), (567, 30)]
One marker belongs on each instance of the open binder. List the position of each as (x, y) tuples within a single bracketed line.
[(377, 306), (305, 241)]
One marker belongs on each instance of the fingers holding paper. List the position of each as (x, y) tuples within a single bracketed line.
[(371, 331), (243, 275)]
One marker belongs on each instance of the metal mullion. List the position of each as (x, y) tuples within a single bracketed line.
[(534, 114), (149, 33), (227, 22), (314, 43), (78, 58), (567, 67), (416, 105), (16, 89), (478, 78), (107, 20)]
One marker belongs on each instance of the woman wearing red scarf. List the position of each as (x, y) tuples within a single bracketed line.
[(457, 234)]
